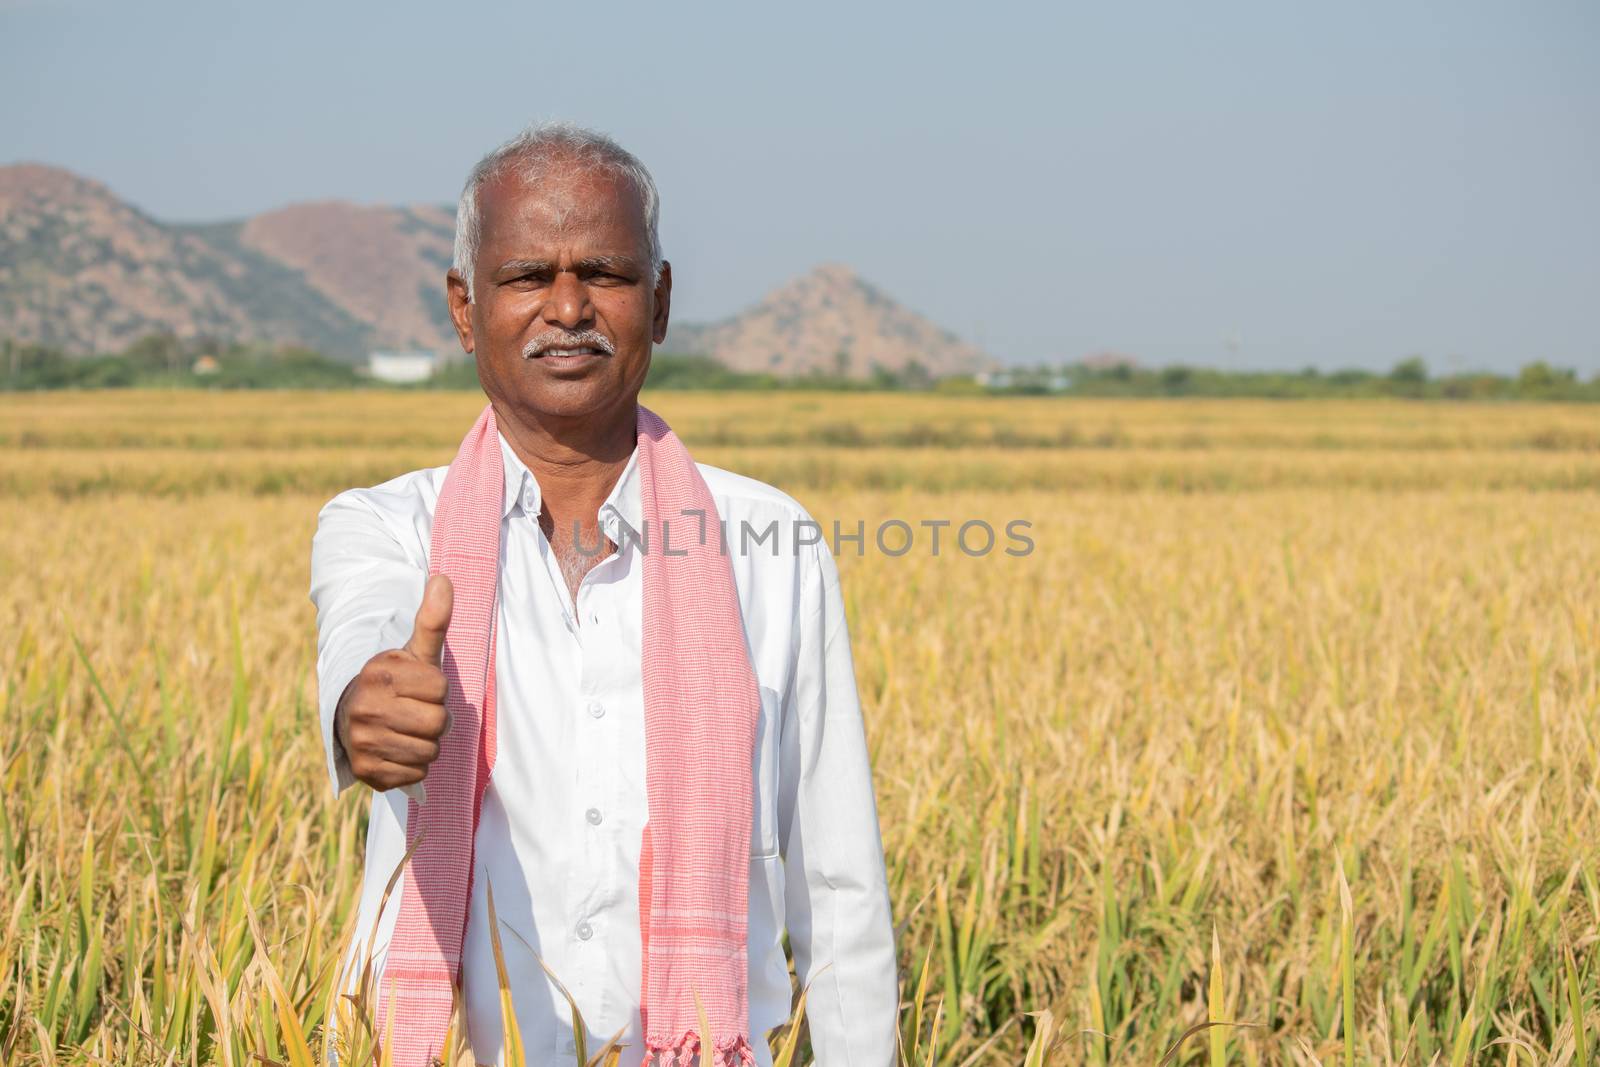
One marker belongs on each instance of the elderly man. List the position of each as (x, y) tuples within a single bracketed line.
[(581, 673)]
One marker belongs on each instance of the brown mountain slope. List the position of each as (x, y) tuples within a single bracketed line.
[(383, 266), (82, 269), (828, 320)]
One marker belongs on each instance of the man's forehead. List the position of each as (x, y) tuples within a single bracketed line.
[(558, 200)]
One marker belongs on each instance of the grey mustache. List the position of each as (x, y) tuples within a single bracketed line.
[(538, 346)]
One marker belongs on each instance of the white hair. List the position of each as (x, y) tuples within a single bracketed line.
[(533, 152)]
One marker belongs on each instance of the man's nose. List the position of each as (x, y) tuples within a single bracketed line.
[(568, 304)]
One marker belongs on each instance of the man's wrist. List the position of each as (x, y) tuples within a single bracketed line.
[(341, 754)]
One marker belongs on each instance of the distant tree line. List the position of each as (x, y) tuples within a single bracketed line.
[(1409, 378), (165, 361)]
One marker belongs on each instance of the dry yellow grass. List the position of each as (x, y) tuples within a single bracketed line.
[(1256, 644)]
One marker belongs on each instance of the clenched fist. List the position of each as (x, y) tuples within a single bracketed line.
[(391, 715)]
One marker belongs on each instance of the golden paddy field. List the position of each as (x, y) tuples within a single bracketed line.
[(1261, 652)]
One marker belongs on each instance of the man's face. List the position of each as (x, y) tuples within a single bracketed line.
[(563, 311)]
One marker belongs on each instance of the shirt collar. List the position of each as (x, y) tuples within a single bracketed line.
[(621, 505)]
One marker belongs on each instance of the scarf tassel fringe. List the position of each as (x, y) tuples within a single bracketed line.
[(729, 1052)]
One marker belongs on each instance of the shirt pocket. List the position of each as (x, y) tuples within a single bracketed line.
[(764, 794)]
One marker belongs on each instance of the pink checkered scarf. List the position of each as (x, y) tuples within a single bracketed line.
[(700, 711)]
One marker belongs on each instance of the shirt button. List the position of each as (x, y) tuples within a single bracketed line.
[(595, 618), (597, 710), (593, 815), (585, 931)]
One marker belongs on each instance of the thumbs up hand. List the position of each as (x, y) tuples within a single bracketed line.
[(392, 714)]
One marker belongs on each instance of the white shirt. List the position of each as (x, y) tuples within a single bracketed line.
[(559, 833)]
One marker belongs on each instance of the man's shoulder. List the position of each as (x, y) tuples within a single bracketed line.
[(405, 495), (770, 534)]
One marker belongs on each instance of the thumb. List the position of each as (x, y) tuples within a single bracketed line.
[(433, 619)]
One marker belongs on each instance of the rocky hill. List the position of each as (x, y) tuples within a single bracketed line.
[(382, 266), (828, 320), (85, 271)]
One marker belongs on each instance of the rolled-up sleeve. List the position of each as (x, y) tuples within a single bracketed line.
[(836, 892), (366, 589)]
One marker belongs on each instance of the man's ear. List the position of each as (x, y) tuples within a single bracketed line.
[(455, 291), (663, 301)]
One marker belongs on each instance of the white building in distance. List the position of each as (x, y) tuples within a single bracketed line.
[(402, 368)]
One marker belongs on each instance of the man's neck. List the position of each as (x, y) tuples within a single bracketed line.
[(577, 463)]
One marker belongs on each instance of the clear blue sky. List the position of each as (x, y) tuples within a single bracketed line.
[(1334, 183)]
